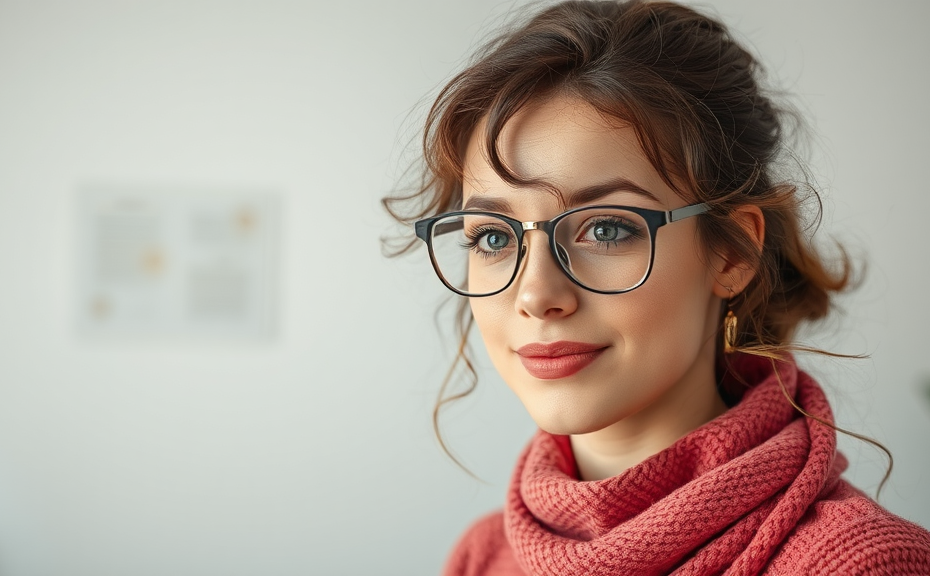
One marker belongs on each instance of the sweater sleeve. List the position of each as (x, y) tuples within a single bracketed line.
[(483, 550)]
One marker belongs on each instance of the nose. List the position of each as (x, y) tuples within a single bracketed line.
[(543, 289)]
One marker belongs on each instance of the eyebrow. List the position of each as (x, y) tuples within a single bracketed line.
[(583, 196)]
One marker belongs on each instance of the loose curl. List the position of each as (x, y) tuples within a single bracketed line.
[(693, 96)]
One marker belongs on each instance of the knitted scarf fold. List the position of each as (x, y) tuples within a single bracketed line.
[(718, 501)]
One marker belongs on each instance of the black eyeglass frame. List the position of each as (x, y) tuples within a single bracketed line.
[(655, 219)]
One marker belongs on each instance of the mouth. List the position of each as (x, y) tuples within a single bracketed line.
[(558, 359)]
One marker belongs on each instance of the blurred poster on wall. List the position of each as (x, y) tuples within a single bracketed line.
[(176, 263)]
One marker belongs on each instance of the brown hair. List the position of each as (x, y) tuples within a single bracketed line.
[(694, 98)]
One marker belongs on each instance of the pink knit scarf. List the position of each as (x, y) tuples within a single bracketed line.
[(718, 501)]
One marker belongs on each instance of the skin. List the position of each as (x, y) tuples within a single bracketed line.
[(655, 380)]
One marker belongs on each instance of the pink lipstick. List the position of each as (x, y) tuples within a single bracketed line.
[(558, 359)]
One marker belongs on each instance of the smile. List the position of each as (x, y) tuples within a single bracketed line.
[(558, 359)]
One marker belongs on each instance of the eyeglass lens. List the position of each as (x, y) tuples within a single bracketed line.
[(604, 249)]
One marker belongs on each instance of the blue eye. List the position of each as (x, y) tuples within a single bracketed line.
[(608, 232), (611, 230), (488, 240), (493, 241)]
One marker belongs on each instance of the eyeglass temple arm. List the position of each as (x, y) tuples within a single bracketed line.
[(422, 228), (686, 212), (445, 227)]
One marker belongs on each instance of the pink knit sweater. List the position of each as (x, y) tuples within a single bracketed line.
[(755, 491)]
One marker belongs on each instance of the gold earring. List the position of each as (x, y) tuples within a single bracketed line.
[(729, 333)]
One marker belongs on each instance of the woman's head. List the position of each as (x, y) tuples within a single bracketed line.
[(582, 360), (676, 92)]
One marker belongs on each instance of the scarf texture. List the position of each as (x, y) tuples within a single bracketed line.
[(724, 499)]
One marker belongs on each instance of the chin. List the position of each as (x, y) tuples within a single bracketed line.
[(567, 422), (569, 429)]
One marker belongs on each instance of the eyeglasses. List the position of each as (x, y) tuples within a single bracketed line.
[(604, 249)]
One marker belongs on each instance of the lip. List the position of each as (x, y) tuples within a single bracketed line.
[(558, 359)]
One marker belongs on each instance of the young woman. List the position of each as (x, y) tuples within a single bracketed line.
[(601, 190)]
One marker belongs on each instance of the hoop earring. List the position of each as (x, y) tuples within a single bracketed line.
[(729, 333)]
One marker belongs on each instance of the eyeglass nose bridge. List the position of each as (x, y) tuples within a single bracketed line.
[(554, 248)]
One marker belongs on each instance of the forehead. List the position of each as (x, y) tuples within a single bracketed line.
[(567, 144)]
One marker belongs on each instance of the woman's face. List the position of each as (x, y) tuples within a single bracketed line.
[(581, 361)]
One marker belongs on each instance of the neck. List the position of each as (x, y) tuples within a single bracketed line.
[(689, 404)]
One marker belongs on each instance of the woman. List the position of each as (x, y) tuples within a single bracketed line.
[(602, 190)]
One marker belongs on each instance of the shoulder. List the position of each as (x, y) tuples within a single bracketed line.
[(483, 550), (848, 533)]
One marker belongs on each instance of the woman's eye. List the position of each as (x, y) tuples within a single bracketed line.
[(493, 241), (487, 240), (607, 231)]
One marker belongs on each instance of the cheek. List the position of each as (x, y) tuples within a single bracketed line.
[(492, 317), (674, 303)]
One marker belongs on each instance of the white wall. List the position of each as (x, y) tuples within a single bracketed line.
[(313, 453)]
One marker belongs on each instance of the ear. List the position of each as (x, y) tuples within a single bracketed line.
[(731, 274)]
